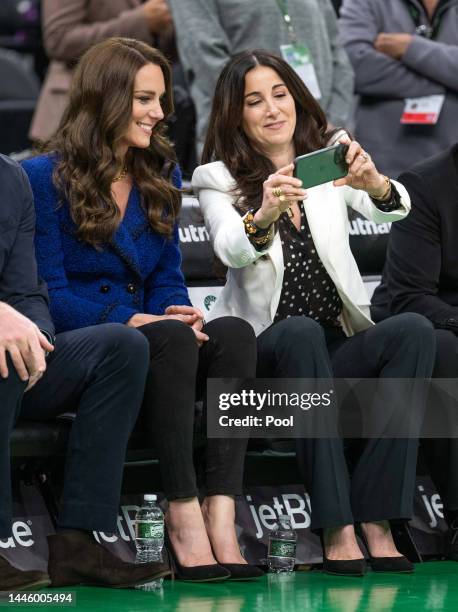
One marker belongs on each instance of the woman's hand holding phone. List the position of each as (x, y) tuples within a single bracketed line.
[(362, 173), (280, 191)]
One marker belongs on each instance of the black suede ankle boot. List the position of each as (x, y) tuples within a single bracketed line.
[(14, 579), (76, 558)]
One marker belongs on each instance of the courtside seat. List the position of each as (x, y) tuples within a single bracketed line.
[(31, 439), (47, 439)]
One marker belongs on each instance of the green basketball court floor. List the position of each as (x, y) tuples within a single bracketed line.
[(433, 586)]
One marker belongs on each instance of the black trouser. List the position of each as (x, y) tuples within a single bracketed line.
[(100, 373), (442, 453), (177, 376), (383, 479)]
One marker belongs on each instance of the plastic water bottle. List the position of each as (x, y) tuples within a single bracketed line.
[(149, 536), (281, 555)]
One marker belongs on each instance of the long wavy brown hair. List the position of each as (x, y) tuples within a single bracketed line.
[(94, 123), (226, 140)]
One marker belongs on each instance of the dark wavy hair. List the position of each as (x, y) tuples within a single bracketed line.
[(95, 121), (226, 141)]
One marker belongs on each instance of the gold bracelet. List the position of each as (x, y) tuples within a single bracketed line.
[(263, 239), (250, 226), (252, 229), (248, 222), (387, 193)]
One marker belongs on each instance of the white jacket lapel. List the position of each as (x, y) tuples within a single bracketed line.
[(276, 256), (319, 210)]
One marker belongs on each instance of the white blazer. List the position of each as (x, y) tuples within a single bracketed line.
[(255, 278)]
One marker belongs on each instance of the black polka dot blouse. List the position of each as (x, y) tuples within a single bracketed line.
[(307, 289)]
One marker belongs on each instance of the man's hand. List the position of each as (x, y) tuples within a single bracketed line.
[(25, 344), (157, 15), (393, 45)]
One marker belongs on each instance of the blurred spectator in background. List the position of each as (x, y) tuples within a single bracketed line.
[(20, 30), (337, 4), (22, 66), (209, 32), (405, 57), (70, 27), (19, 90)]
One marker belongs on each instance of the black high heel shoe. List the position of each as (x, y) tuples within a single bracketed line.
[(343, 567), (198, 573), (399, 565), (242, 571)]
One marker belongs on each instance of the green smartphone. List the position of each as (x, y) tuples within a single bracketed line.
[(321, 166)]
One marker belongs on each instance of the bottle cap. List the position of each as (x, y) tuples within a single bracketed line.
[(149, 497), (285, 521)]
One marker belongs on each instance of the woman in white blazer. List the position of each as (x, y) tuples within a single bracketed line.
[(291, 274)]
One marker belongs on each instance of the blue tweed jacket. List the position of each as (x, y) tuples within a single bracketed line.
[(137, 271)]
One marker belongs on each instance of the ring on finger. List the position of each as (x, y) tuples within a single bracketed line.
[(277, 192), (365, 156)]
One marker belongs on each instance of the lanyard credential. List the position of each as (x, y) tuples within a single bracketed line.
[(298, 55), (431, 28), (424, 110), (283, 7)]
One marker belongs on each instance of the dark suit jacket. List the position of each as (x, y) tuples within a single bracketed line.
[(19, 283), (421, 270)]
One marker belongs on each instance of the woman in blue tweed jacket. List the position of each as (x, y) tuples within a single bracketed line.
[(107, 245)]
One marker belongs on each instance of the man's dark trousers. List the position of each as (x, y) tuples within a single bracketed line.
[(442, 453), (100, 373)]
